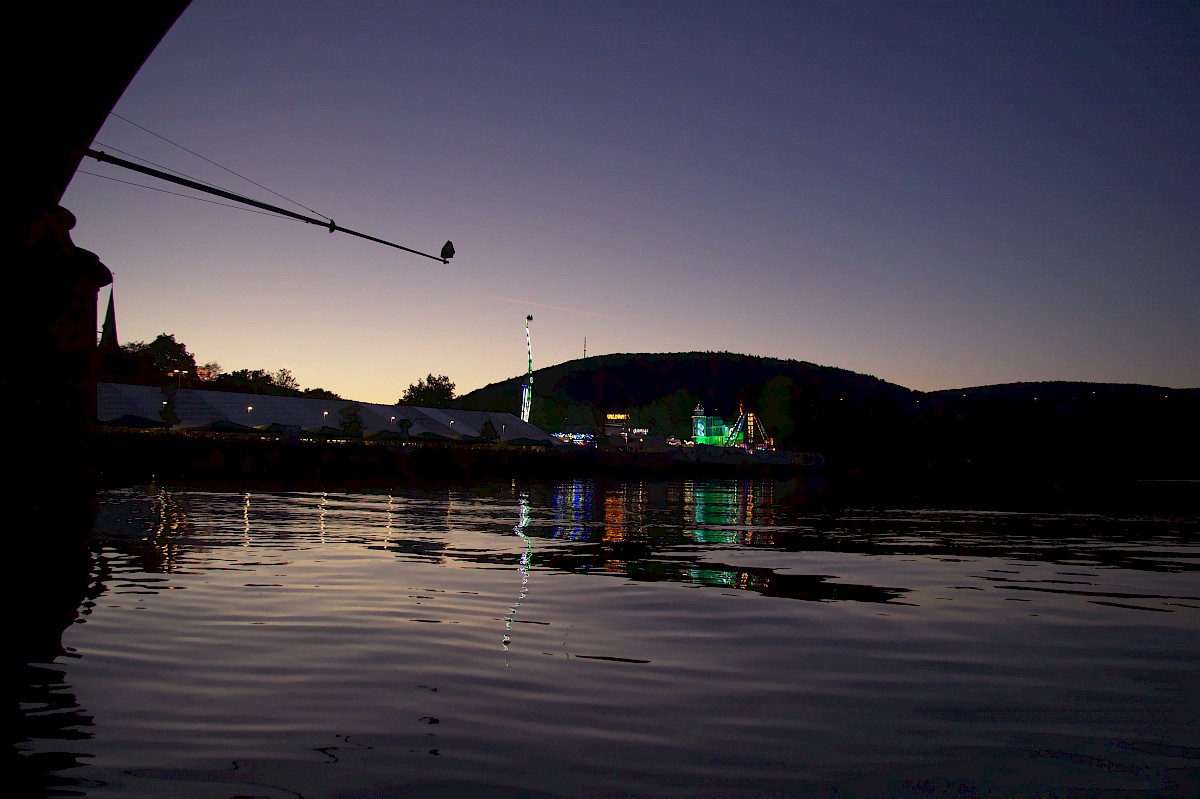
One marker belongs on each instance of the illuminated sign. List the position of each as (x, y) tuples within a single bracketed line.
[(618, 417), (575, 438)]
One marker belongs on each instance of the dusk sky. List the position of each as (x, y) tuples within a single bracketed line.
[(938, 194)]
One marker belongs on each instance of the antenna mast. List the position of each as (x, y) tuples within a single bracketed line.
[(527, 389)]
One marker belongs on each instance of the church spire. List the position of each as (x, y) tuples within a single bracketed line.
[(108, 333)]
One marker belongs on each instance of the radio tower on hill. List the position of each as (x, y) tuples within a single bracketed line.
[(527, 388)]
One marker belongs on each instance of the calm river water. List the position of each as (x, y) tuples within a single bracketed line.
[(594, 639)]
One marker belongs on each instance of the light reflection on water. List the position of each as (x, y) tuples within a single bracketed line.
[(525, 564), (630, 638)]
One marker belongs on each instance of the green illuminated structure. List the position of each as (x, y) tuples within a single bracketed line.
[(713, 431)]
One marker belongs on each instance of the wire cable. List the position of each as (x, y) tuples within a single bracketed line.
[(154, 164), (447, 249), (214, 163), (198, 199)]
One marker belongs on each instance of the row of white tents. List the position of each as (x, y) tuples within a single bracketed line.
[(193, 410)]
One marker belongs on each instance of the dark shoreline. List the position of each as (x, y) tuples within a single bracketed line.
[(225, 463), (138, 458)]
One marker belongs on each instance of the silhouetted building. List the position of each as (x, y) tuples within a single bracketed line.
[(108, 333)]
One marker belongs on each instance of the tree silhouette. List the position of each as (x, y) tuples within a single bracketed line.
[(170, 356), (351, 421), (207, 372), (286, 380), (434, 391), (166, 361), (161, 361), (167, 414)]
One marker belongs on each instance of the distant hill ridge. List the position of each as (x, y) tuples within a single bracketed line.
[(720, 380), (871, 425), (614, 382)]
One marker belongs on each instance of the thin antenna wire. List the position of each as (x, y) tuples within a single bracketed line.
[(214, 163), (186, 196), (155, 164), (447, 249)]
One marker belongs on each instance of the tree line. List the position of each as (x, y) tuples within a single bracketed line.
[(167, 362)]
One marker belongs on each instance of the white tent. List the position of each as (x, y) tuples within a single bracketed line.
[(211, 410)]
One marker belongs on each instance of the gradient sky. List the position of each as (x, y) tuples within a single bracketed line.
[(938, 194)]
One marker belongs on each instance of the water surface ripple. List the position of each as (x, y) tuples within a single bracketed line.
[(684, 638)]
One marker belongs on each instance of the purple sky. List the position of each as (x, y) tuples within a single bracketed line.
[(938, 194)]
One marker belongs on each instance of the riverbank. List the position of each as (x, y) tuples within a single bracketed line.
[(128, 458), (231, 463)]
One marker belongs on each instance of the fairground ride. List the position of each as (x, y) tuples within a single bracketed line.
[(748, 433), (527, 387)]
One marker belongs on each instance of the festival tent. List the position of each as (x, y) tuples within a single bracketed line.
[(217, 426), (277, 429), (389, 435), (411, 422), (116, 401), (197, 409), (326, 433), (501, 428), (135, 421)]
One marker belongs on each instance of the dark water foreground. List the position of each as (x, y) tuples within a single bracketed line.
[(599, 637)]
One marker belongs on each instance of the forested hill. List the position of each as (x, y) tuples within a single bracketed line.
[(869, 425), (661, 389)]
